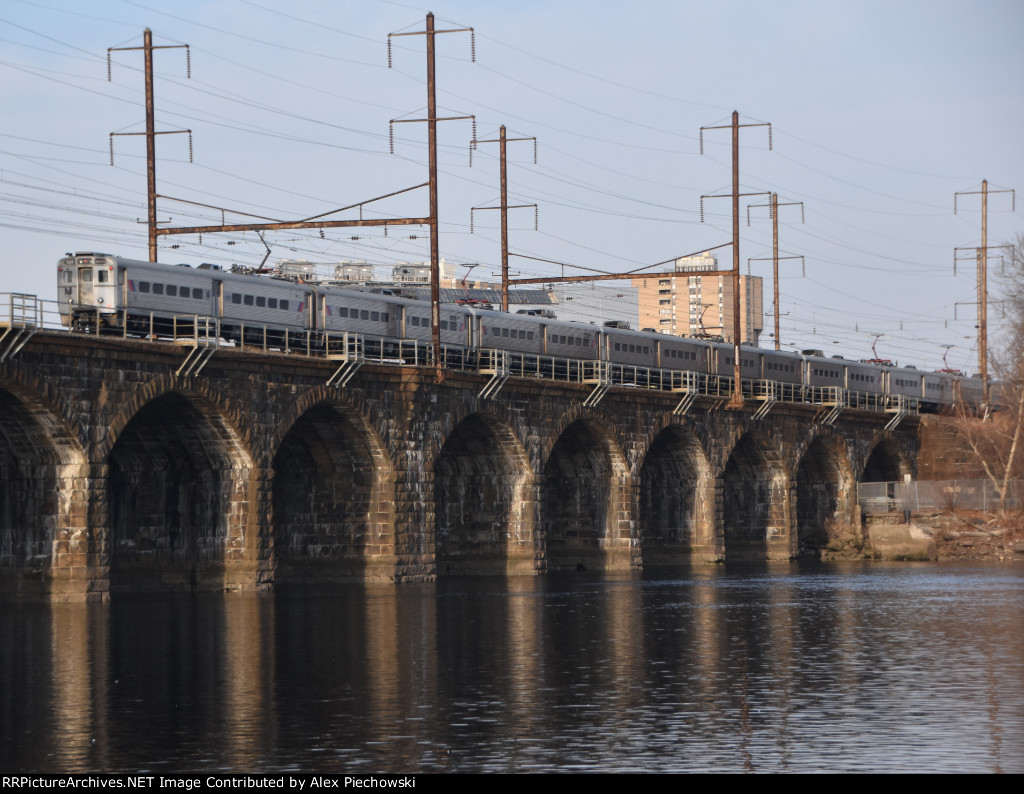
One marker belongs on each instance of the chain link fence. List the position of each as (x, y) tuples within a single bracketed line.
[(889, 497)]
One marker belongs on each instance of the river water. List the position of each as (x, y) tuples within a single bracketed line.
[(795, 667)]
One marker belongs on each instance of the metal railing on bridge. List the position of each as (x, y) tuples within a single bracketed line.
[(21, 315)]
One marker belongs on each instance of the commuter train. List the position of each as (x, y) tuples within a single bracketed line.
[(105, 293)]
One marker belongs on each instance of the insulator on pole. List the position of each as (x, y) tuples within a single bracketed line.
[(474, 127), (391, 137), (471, 229), (322, 234), (109, 78), (702, 209), (472, 45), (471, 153), (188, 62), (190, 147), (769, 136), (702, 141), (385, 230), (112, 157), (536, 218), (803, 267), (389, 51), (535, 151)]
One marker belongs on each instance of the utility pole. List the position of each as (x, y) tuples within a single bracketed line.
[(736, 401), (151, 133), (502, 140), (982, 279), (773, 208), (431, 120)]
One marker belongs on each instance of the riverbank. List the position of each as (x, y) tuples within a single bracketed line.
[(975, 535)]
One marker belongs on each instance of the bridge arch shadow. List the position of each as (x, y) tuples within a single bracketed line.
[(43, 485), (753, 485), (333, 499), (483, 500), (675, 499), (584, 506), (177, 497), (825, 495)]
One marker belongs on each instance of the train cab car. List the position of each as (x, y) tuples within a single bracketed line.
[(89, 286)]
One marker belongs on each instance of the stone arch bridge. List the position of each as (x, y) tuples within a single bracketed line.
[(119, 475)]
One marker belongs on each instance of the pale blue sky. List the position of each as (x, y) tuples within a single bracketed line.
[(881, 111)]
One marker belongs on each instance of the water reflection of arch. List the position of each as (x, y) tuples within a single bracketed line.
[(178, 482), (483, 498), (825, 491), (754, 496), (675, 496), (333, 492), (44, 534), (585, 500)]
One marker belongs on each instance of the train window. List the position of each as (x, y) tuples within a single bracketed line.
[(271, 303), (529, 334), (67, 276), (86, 276), (158, 289), (172, 290), (284, 305), (364, 314), (522, 334), (197, 293), (342, 311), (375, 316), (444, 325), (647, 350), (143, 286), (383, 317), (101, 276), (247, 300), (261, 301), (236, 297), (632, 348)]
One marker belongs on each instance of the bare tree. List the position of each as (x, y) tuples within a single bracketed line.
[(996, 437)]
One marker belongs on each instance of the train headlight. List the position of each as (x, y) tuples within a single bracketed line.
[(99, 300)]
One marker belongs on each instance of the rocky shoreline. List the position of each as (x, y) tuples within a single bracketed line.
[(965, 535)]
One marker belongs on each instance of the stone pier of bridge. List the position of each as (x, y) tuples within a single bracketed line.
[(119, 475)]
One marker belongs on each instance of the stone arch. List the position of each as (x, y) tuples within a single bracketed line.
[(483, 500), (585, 500), (675, 499), (178, 494), (45, 544), (754, 490), (825, 498), (885, 462), (332, 494)]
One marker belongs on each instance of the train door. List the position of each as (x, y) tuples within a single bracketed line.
[(85, 286), (218, 299)]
